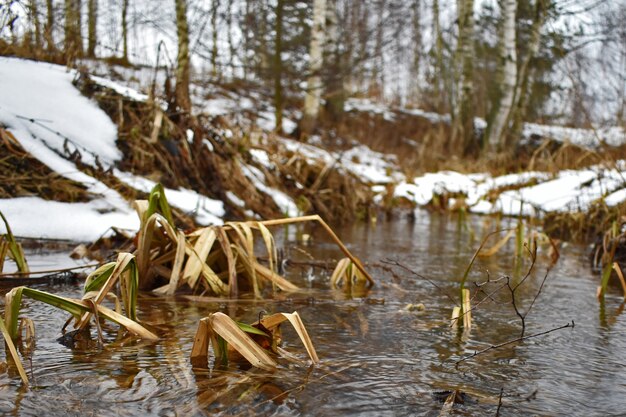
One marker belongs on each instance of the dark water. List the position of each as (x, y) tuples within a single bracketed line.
[(376, 358)]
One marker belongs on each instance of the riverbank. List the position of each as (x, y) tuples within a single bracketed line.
[(99, 137)]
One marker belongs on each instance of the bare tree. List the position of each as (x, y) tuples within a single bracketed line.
[(316, 60), (92, 9), (463, 130), (278, 65), (508, 61), (49, 26), (125, 30), (73, 37), (182, 63)]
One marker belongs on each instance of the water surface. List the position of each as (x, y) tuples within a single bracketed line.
[(376, 358)]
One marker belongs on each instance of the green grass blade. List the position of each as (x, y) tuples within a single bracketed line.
[(251, 329), (14, 247), (13, 303), (157, 202), (97, 278)]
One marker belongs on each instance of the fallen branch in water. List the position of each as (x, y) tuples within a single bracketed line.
[(510, 342), (48, 271)]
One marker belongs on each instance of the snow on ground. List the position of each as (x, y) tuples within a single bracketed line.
[(205, 210), (40, 102), (528, 194), (370, 166), (586, 138), (83, 222), (282, 200)]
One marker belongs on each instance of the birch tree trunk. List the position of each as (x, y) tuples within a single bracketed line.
[(463, 137), (378, 75), (125, 30), (316, 60), (508, 57), (278, 66), (182, 62), (92, 8), (417, 49), (525, 74), (439, 71), (335, 90)]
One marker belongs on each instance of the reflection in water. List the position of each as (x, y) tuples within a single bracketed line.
[(378, 358)]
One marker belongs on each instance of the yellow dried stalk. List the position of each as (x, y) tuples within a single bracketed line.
[(201, 250), (620, 275), (275, 320), (4, 247), (221, 325), (16, 358), (330, 232), (467, 310), (454, 320), (347, 272), (486, 253)]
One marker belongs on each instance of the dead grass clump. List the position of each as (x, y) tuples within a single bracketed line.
[(21, 175), (582, 226)]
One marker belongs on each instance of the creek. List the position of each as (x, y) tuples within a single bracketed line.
[(377, 358)]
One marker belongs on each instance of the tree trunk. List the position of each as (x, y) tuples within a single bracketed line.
[(231, 44), (182, 62), (278, 67), (525, 73), (336, 64), (93, 23), (49, 27), (214, 65), (316, 60), (463, 137), (508, 56), (73, 37), (378, 76), (125, 31), (439, 70), (34, 13), (417, 50)]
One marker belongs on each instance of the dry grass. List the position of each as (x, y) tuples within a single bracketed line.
[(21, 175)]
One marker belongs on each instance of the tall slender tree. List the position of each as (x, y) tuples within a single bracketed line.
[(92, 11), (125, 31), (278, 65), (463, 136), (49, 26), (525, 72), (183, 100), (36, 23), (313, 94), (214, 27), (73, 37), (497, 129)]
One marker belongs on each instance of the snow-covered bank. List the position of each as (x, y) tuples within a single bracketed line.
[(55, 124), (528, 194), (585, 138)]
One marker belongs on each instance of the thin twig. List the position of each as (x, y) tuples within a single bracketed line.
[(499, 402), (519, 339), (420, 276)]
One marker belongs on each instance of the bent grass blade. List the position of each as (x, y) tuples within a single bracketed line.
[(75, 307), (275, 320), (17, 253)]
